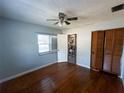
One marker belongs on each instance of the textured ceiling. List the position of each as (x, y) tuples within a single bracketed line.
[(37, 11)]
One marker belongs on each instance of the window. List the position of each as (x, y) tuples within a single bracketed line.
[(47, 43)]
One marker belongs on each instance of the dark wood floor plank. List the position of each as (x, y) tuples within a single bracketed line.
[(64, 78)]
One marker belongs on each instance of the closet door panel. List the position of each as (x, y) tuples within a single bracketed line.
[(116, 65), (100, 47), (94, 42), (97, 50), (118, 43), (93, 61), (108, 50), (93, 49), (117, 51), (107, 63), (98, 60)]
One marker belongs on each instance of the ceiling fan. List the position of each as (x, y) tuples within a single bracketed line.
[(63, 19)]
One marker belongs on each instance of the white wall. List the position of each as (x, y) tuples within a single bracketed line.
[(84, 39), (83, 45), (62, 47)]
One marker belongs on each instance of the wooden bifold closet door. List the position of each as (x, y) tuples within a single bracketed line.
[(113, 51), (117, 51), (97, 50), (106, 50)]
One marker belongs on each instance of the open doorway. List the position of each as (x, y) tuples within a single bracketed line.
[(72, 48)]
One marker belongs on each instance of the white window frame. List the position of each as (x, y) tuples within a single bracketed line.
[(50, 45)]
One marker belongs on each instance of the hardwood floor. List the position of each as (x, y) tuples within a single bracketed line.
[(64, 78)]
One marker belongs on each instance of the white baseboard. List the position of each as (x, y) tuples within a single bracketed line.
[(23, 73), (83, 65)]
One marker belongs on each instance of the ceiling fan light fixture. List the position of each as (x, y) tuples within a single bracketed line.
[(63, 19), (60, 24)]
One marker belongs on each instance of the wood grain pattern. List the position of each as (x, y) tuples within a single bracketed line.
[(113, 50), (108, 50), (64, 78), (117, 51), (97, 50)]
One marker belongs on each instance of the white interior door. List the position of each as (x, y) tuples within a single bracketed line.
[(62, 47)]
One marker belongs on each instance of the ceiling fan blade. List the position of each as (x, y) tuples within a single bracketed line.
[(56, 23), (67, 23), (72, 18), (52, 19), (117, 8)]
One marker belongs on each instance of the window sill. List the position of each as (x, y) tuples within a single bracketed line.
[(49, 52)]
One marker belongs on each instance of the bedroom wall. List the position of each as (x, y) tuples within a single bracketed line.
[(83, 45), (20, 49), (84, 39)]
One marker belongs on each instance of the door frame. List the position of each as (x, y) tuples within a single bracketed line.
[(75, 35)]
